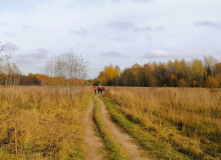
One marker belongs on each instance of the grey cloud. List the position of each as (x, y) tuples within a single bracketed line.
[(149, 38), (39, 53), (69, 6), (141, 1), (111, 54), (11, 34), (3, 24), (143, 29), (25, 26), (115, 1), (156, 54), (92, 46), (122, 25), (160, 28), (127, 25), (10, 47), (138, 29), (205, 23), (80, 32), (121, 38)]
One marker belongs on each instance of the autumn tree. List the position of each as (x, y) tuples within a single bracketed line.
[(209, 62), (9, 73), (198, 72), (107, 76), (68, 65), (65, 70), (212, 82), (217, 69), (177, 73)]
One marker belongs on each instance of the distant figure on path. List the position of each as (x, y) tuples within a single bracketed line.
[(95, 89), (98, 89), (101, 88)]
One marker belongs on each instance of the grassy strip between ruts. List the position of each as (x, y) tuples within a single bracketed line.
[(159, 149), (115, 151)]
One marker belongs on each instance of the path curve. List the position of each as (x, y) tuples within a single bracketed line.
[(93, 142), (125, 140)]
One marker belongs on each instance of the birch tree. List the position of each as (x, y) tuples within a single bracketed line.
[(67, 65)]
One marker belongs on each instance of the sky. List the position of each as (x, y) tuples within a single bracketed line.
[(104, 32)]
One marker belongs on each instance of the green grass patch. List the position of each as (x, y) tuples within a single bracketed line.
[(115, 151)]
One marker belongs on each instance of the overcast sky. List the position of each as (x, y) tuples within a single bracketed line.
[(104, 32)]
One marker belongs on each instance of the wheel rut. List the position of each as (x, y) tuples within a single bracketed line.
[(132, 150), (93, 142)]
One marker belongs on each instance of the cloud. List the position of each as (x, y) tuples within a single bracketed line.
[(142, 1), (10, 47), (111, 54), (149, 38), (115, 1), (3, 24), (25, 26), (146, 28), (11, 34), (122, 25), (36, 54), (157, 54), (138, 1), (127, 25), (121, 38), (160, 28), (69, 6), (205, 23), (91, 46), (80, 32)]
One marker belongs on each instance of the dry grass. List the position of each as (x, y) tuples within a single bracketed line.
[(41, 123), (187, 118)]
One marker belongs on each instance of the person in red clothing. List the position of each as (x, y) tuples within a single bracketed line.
[(95, 89)]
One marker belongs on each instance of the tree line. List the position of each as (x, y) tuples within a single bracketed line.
[(67, 69), (177, 73)]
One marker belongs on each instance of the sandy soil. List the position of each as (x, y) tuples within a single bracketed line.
[(133, 150), (93, 142)]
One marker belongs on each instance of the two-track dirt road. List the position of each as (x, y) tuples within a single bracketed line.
[(133, 151), (94, 143)]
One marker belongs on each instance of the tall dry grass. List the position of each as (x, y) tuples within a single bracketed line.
[(187, 118), (41, 122)]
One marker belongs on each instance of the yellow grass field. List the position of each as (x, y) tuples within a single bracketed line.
[(189, 119), (41, 122), (48, 122)]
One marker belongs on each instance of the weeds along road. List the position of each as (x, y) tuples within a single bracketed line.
[(93, 142), (132, 150)]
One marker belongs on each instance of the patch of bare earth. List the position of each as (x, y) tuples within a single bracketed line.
[(132, 150), (94, 143)]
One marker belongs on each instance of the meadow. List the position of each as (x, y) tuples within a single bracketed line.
[(41, 122), (186, 120)]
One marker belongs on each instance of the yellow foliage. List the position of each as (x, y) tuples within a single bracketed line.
[(212, 82), (109, 73)]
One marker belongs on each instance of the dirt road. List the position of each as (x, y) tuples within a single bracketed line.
[(125, 140), (93, 142)]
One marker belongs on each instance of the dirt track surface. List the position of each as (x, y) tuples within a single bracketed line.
[(132, 150), (93, 142)]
